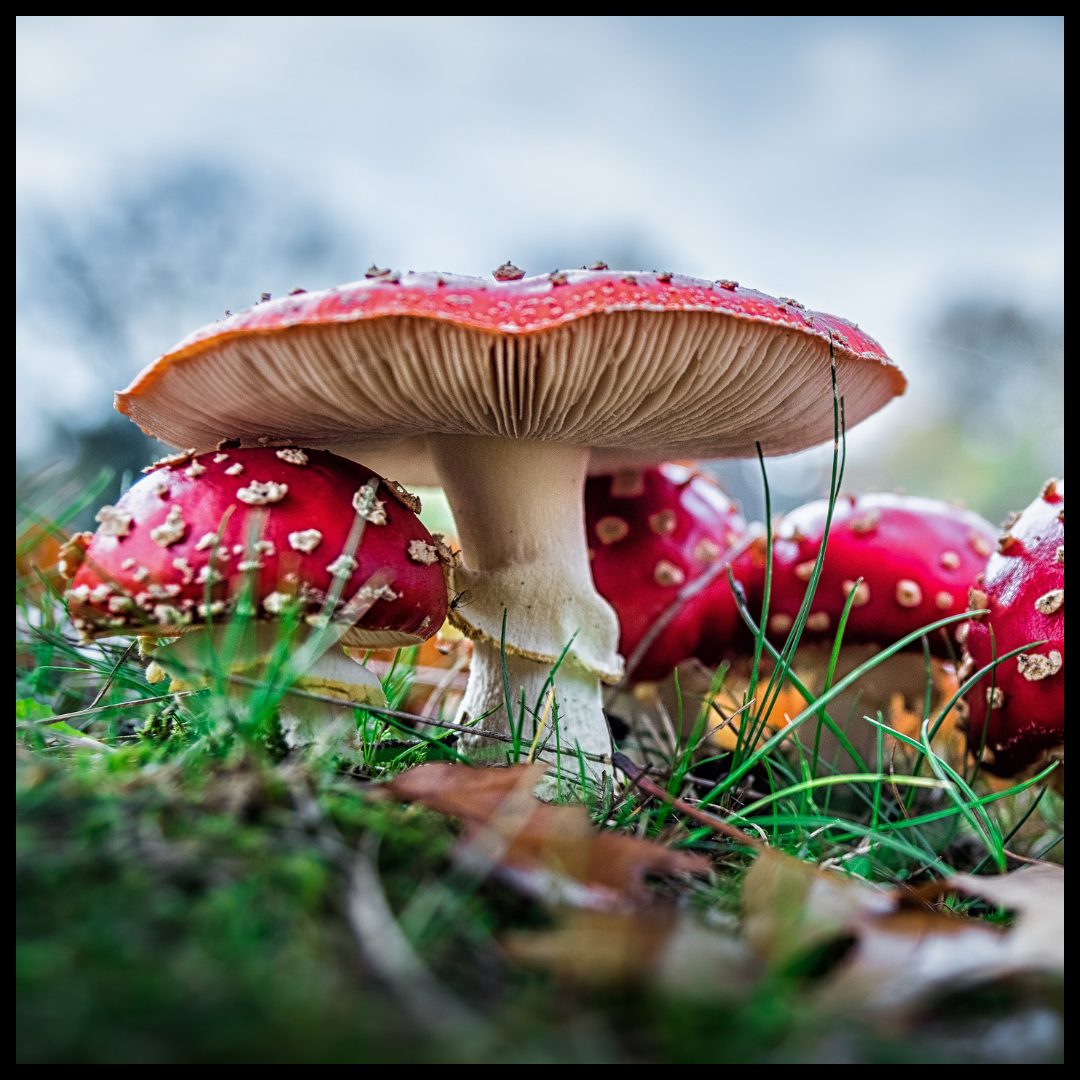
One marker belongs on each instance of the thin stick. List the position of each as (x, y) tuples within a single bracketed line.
[(116, 705), (112, 675), (74, 740), (637, 776), (620, 761), (384, 945), (398, 714)]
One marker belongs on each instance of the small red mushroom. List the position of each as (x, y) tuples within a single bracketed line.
[(282, 530), (1017, 713), (651, 532), (909, 561)]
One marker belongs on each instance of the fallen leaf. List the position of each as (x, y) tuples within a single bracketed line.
[(903, 960), (554, 853), (791, 907), (875, 690), (901, 956), (1036, 895), (597, 947), (658, 946)]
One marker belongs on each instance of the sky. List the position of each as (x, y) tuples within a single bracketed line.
[(866, 166)]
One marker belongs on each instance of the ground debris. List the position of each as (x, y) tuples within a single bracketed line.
[(551, 852), (901, 952)]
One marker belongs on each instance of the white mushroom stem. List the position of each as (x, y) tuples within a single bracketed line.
[(561, 715), (199, 657), (519, 509)]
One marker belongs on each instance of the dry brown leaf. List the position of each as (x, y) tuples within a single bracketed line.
[(791, 907), (657, 946), (901, 957), (895, 687), (1036, 895), (901, 961), (597, 947), (552, 852)]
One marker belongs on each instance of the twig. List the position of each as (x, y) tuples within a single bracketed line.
[(620, 761), (637, 776), (378, 710), (74, 740), (412, 718), (116, 705), (378, 933), (112, 675)]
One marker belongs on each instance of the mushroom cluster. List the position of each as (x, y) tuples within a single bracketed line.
[(895, 563), (280, 535), (507, 391), (546, 407)]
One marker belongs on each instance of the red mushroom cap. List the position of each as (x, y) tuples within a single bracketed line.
[(691, 367), (650, 533), (1018, 713), (191, 537), (916, 558), (515, 304)]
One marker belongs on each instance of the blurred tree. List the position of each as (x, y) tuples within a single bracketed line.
[(995, 427), (100, 296)]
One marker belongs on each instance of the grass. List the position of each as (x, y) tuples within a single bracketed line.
[(186, 887)]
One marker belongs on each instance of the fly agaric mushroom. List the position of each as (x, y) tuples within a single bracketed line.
[(652, 533), (1017, 713), (277, 532), (506, 391), (906, 561)]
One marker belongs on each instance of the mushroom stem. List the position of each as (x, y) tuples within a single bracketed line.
[(525, 586), (561, 722), (199, 657)]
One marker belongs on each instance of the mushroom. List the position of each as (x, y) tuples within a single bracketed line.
[(905, 561), (507, 391), (660, 543), (908, 560), (280, 534), (652, 533), (1017, 712)]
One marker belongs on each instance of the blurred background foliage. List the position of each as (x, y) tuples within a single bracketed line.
[(139, 218)]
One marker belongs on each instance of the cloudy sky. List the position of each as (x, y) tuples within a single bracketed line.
[(864, 166)]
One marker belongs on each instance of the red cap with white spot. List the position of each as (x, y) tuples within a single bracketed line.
[(653, 532), (690, 368), (1017, 713), (915, 557), (286, 527)]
